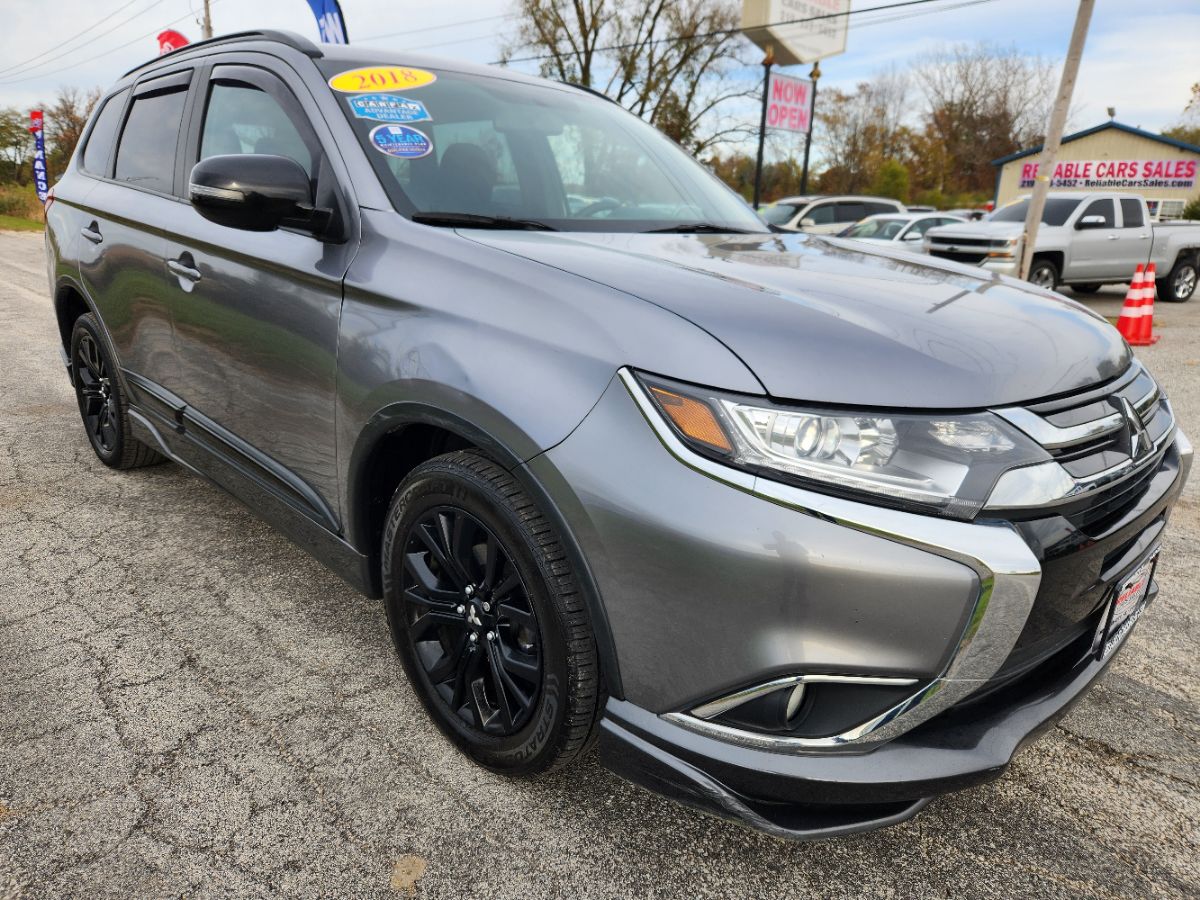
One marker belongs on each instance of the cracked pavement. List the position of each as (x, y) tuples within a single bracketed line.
[(189, 705)]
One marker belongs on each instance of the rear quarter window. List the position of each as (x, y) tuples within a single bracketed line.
[(98, 150)]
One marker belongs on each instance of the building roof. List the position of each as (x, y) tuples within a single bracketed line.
[(1128, 129)]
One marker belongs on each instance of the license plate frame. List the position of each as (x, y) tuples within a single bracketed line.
[(1127, 603)]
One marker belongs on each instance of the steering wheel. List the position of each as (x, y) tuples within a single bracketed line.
[(604, 204)]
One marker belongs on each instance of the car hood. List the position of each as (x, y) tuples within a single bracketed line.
[(983, 229), (832, 321)]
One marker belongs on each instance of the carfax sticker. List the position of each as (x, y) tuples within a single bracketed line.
[(381, 78), (388, 108), (401, 141)]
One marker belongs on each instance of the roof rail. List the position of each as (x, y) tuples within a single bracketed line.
[(288, 38)]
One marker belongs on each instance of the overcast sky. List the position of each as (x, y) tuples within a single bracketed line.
[(1141, 57)]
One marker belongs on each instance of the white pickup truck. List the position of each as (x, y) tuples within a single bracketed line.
[(1085, 240)]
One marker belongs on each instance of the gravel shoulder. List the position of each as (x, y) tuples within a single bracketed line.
[(192, 706)]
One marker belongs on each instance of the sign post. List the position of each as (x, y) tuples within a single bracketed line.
[(37, 127), (792, 32)]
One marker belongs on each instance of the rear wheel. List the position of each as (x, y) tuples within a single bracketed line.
[(1044, 274), (101, 403), (1180, 284), (1089, 288), (487, 618)]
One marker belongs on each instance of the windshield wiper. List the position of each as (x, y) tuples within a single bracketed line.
[(474, 220), (697, 228)]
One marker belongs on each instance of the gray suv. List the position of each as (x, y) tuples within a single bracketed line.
[(800, 532)]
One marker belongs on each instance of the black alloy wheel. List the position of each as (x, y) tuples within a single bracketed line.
[(470, 621), (101, 404), (97, 401), (488, 618)]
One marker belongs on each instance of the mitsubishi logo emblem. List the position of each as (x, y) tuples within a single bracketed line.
[(473, 616), (1139, 441)]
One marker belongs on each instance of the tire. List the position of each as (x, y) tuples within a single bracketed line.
[(460, 631), (1089, 288), (1044, 274), (102, 405), (1180, 284)]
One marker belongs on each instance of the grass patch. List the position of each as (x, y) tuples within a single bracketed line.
[(13, 223)]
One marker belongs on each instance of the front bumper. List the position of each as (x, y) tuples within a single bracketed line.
[(711, 584)]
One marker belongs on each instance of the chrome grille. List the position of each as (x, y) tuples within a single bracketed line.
[(1109, 454)]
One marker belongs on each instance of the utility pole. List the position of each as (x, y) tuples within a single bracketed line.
[(815, 75), (1058, 120), (768, 61), (206, 25)]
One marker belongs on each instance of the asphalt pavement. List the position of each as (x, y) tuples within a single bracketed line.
[(191, 706)]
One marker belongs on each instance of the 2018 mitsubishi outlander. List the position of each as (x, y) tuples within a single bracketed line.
[(802, 532)]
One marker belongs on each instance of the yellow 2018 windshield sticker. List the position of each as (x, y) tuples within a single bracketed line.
[(381, 78)]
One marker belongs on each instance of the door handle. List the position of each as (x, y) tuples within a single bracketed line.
[(92, 233), (184, 267)]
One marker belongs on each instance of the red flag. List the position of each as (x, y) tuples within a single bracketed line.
[(170, 40)]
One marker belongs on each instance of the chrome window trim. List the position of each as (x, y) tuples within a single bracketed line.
[(1008, 572)]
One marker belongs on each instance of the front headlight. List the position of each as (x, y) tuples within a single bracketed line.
[(942, 464)]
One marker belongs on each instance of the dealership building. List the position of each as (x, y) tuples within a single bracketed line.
[(1111, 157)]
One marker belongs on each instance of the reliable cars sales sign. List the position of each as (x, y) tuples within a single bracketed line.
[(789, 103), (1117, 173)]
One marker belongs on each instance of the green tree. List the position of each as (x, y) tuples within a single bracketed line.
[(16, 146), (891, 180)]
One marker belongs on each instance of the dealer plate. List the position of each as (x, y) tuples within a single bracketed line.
[(1127, 605)]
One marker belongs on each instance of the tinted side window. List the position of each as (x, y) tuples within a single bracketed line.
[(850, 212), (821, 215), (244, 119), (1102, 208), (877, 208), (98, 150), (1131, 213), (146, 153)]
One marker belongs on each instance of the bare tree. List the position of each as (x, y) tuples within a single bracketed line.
[(856, 132), (668, 61), (982, 102), (65, 121)]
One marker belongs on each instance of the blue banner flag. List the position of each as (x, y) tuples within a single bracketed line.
[(37, 126), (330, 21)]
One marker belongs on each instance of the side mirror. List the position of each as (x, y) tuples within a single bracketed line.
[(808, 223), (913, 235), (1090, 222), (254, 192)]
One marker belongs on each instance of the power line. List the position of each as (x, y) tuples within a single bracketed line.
[(408, 31), (728, 31), (24, 70), (112, 50), (59, 45)]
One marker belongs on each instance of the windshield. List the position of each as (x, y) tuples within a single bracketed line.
[(556, 157), (1057, 211), (779, 214), (885, 229)]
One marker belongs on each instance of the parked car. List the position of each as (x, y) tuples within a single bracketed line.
[(825, 214), (1085, 241), (908, 229), (799, 532)]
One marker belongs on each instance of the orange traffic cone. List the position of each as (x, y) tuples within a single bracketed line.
[(1145, 322), (1131, 312)]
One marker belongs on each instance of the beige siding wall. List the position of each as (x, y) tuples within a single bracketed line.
[(1109, 144)]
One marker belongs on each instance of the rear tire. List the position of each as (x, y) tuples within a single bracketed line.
[(1044, 274), (1180, 284), (488, 618), (102, 405), (1089, 288)]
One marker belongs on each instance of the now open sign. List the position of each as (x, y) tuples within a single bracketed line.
[(789, 103)]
